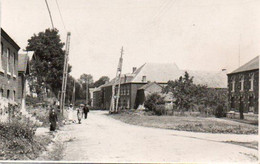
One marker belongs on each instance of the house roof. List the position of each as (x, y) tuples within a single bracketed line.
[(23, 62), (251, 65), (144, 87), (211, 79), (9, 39), (125, 78), (163, 72), (159, 72)]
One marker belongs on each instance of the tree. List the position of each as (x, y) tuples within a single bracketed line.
[(86, 78), (186, 93), (102, 80), (47, 66)]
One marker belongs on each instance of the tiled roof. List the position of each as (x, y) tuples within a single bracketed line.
[(211, 79), (125, 78), (251, 65), (23, 60), (159, 72), (163, 72), (148, 85), (9, 39)]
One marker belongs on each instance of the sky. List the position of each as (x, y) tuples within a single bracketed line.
[(205, 35)]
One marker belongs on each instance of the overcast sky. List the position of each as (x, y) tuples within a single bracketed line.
[(194, 34)]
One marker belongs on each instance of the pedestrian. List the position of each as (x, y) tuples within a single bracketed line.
[(53, 118), (86, 110), (70, 113), (80, 113)]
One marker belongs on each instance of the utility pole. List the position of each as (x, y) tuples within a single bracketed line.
[(65, 74), (49, 13), (73, 94), (239, 51), (115, 96)]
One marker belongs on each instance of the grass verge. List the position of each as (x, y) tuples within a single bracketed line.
[(193, 124)]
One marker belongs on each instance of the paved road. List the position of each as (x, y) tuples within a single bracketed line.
[(102, 139)]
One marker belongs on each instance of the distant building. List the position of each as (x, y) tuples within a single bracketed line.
[(243, 88), (160, 73), (97, 98), (23, 72), (8, 67), (146, 90)]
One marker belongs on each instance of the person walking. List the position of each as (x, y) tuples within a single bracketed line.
[(80, 113), (70, 114), (86, 110), (53, 118)]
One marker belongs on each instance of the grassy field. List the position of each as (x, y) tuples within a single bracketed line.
[(194, 124)]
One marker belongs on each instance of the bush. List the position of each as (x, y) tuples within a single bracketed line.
[(219, 111), (160, 109), (153, 100), (17, 139), (18, 127), (42, 114)]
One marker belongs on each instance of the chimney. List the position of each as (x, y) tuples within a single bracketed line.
[(134, 69), (144, 79)]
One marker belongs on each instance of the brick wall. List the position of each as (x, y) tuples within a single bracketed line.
[(9, 80), (241, 99), (97, 99)]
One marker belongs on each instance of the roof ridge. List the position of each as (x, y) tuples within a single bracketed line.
[(247, 64), (138, 71)]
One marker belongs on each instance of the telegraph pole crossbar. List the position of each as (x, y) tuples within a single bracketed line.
[(116, 95)]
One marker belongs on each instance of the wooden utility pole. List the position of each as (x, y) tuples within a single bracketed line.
[(73, 94), (65, 74), (239, 51), (116, 95)]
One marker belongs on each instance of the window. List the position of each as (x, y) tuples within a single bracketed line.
[(2, 53), (242, 83), (127, 91), (144, 79), (8, 94), (8, 60), (121, 91), (124, 91), (14, 95), (251, 82), (1, 93), (14, 70), (128, 103), (2, 49), (233, 85)]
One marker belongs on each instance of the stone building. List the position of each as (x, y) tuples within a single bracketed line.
[(243, 86), (97, 98), (160, 73), (8, 67)]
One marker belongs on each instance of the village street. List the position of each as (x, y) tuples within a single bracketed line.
[(100, 138)]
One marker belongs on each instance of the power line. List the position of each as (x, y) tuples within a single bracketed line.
[(49, 13), (61, 15)]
